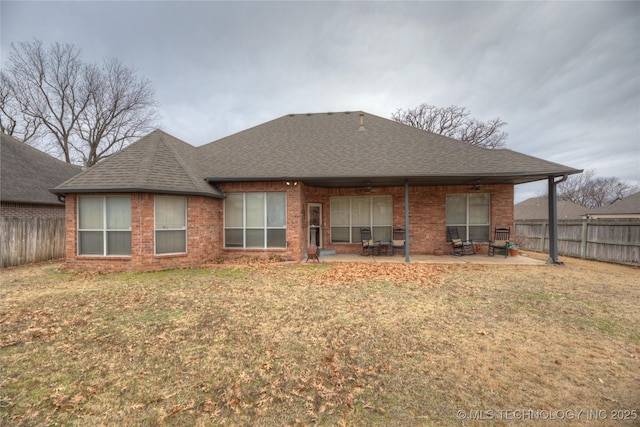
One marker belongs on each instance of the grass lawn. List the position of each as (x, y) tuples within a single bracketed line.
[(331, 344)]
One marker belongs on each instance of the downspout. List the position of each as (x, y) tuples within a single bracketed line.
[(553, 220), (406, 221)]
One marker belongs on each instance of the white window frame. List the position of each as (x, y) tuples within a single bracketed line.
[(371, 224), (265, 227), (104, 230), (183, 228), (467, 225)]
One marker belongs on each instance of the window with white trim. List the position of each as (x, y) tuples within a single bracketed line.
[(170, 225), (470, 214), (255, 220), (104, 225), (350, 213)]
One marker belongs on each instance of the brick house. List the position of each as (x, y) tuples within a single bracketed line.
[(32, 219), (538, 208), (26, 176), (274, 189), (626, 208)]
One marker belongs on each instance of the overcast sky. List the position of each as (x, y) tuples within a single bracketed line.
[(565, 76)]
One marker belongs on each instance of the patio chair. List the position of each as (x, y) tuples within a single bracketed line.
[(459, 247), (369, 246), (398, 241), (500, 241)]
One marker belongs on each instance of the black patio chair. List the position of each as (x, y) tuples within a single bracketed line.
[(369, 246), (459, 247), (399, 240), (500, 241)]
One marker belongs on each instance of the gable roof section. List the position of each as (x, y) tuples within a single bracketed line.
[(27, 173), (630, 205), (157, 163), (333, 149), (538, 208)]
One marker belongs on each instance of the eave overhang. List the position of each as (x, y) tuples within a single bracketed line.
[(31, 202), (394, 181), (134, 190)]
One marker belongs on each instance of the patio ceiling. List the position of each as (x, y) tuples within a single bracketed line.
[(397, 181), (421, 180)]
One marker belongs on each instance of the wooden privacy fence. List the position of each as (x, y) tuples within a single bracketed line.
[(613, 240), (26, 240)]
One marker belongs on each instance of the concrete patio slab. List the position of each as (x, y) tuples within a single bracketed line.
[(521, 259)]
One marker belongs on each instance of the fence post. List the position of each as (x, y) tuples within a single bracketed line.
[(543, 236), (583, 239)]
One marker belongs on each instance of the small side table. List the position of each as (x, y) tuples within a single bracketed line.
[(384, 247)]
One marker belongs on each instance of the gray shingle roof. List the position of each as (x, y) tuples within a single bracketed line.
[(319, 147), (26, 173), (325, 149), (538, 208), (626, 206), (157, 163)]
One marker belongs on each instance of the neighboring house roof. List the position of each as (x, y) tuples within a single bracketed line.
[(27, 173), (538, 208), (629, 207), (324, 149), (157, 163)]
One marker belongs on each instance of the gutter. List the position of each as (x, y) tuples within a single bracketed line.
[(60, 193)]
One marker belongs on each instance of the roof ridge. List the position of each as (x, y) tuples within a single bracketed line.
[(181, 161), (143, 174), (112, 156)]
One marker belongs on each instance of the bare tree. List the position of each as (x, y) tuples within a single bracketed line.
[(88, 111), (454, 122), (121, 109), (47, 86), (12, 121), (588, 190)]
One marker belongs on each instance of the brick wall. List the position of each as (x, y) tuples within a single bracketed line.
[(427, 220), (30, 210), (203, 231), (205, 227), (295, 220)]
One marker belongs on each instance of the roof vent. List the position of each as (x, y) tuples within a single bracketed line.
[(362, 122)]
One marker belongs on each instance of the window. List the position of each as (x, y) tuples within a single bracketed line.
[(171, 225), (350, 213), (104, 225), (255, 220), (470, 214)]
